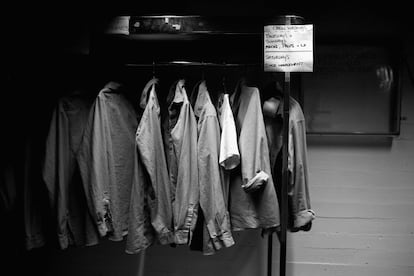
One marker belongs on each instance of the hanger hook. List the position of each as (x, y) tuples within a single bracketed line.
[(153, 69), (202, 71)]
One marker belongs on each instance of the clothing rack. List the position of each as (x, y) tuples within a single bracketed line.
[(157, 23), (284, 192)]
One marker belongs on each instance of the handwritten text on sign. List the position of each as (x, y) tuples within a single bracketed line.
[(288, 48)]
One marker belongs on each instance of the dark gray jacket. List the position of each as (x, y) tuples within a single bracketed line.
[(106, 160), (61, 172), (151, 208), (300, 212), (181, 150)]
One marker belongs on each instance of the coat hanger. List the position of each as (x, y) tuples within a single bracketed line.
[(195, 90), (147, 91), (278, 89), (223, 80), (223, 83), (202, 71), (272, 89), (194, 93)]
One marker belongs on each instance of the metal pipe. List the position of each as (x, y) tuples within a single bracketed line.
[(191, 63)]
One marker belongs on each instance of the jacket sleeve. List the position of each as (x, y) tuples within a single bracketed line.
[(299, 190), (94, 158), (140, 234), (52, 170), (56, 169), (211, 193), (151, 150), (253, 147), (34, 227), (229, 151)]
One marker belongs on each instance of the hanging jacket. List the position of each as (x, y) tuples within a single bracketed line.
[(181, 150), (61, 172), (300, 212), (106, 160), (217, 232), (253, 201), (22, 193), (151, 195)]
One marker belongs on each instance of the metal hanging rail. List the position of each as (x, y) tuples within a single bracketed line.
[(191, 63)]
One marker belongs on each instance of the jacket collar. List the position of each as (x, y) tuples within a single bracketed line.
[(113, 86), (144, 95), (177, 93), (237, 94), (202, 99), (180, 93)]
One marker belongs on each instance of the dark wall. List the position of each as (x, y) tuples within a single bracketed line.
[(42, 45)]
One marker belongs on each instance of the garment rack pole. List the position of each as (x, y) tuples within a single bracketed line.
[(285, 176), (284, 198), (285, 172)]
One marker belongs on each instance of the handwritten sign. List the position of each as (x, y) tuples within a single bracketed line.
[(288, 48)]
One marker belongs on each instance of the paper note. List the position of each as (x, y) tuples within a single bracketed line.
[(288, 48)]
